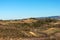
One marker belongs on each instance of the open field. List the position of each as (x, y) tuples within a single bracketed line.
[(30, 29)]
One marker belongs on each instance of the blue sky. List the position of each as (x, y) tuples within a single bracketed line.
[(17, 9)]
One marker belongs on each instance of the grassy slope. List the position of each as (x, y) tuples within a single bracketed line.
[(29, 28)]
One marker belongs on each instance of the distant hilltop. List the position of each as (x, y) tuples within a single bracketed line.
[(52, 17)]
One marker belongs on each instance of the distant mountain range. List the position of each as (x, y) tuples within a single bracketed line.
[(52, 17), (38, 18)]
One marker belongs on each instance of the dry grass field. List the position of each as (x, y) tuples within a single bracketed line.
[(30, 29)]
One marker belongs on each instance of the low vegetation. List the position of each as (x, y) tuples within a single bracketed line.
[(30, 28)]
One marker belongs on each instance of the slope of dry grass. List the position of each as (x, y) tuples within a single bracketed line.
[(29, 28)]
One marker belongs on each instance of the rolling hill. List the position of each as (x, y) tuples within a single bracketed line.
[(30, 28)]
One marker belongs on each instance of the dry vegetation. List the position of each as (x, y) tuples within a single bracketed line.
[(45, 29)]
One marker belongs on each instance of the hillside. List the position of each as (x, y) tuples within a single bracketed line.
[(30, 28)]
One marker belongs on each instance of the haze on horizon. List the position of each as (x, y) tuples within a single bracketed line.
[(17, 9)]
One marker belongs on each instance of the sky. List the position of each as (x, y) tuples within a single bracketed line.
[(18, 9)]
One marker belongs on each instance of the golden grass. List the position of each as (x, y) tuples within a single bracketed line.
[(51, 30)]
